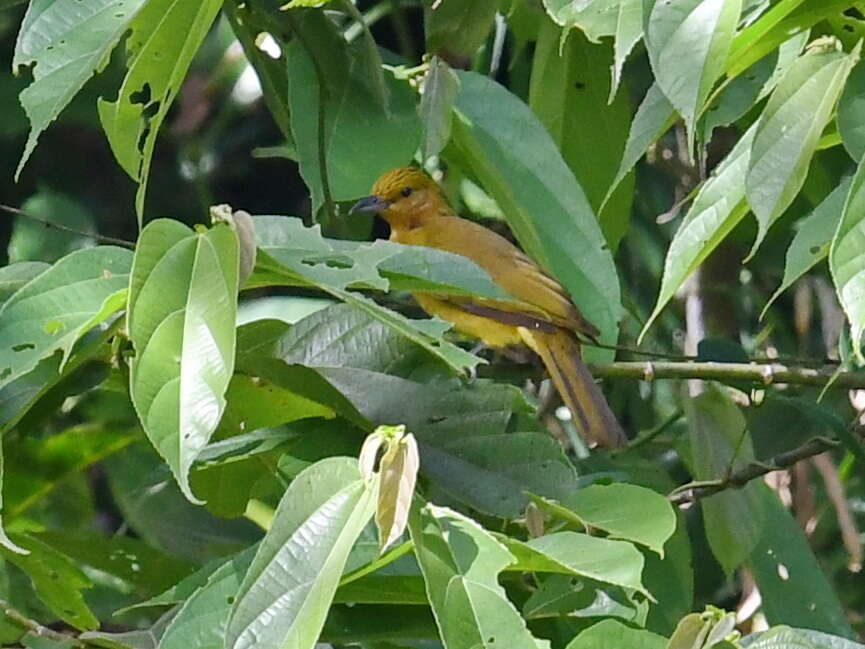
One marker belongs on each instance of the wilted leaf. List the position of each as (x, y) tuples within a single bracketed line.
[(436, 107), (68, 41), (398, 470)]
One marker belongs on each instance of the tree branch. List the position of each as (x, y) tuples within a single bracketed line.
[(765, 374), (19, 619), (694, 491), (66, 228)]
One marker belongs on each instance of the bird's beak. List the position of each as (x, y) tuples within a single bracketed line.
[(369, 205)]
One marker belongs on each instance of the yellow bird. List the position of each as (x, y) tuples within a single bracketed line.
[(543, 318)]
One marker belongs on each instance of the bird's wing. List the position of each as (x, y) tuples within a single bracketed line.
[(509, 267)]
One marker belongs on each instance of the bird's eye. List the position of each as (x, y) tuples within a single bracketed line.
[(406, 191)]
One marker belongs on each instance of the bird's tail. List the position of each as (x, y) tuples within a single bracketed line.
[(560, 352)]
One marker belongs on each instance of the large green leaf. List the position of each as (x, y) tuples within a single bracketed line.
[(285, 596), (52, 312), (466, 446), (789, 130), (365, 134), (612, 562), (811, 242), (202, 619), (688, 42), (16, 275), (461, 562), (519, 165), (719, 206), (626, 512), (163, 38), (734, 520), (293, 255), (56, 579), (846, 259), (793, 586), (181, 319), (67, 41), (611, 633), (629, 31), (570, 87)]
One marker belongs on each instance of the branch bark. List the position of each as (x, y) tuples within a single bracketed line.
[(763, 373)]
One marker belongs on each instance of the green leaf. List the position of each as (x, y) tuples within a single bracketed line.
[(571, 553), (455, 30), (611, 633), (629, 31), (164, 37), (364, 136), (293, 255), (595, 18), (793, 586), (285, 596), (202, 619), (579, 598), (845, 258), (5, 541), (138, 639), (717, 209), (52, 312), (625, 512), (436, 107), (851, 113), (56, 580), (688, 42), (337, 336), (517, 162), (654, 117), (784, 637), (16, 275), (461, 562), (67, 41), (734, 520), (569, 88), (181, 320), (785, 140), (466, 447), (813, 237)]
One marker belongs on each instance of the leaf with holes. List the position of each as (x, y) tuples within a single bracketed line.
[(595, 18), (164, 37), (68, 41), (181, 320), (789, 130), (52, 311), (461, 562)]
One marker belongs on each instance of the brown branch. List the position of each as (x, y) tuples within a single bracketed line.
[(19, 619), (765, 374), (694, 491)]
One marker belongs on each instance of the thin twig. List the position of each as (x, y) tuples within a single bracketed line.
[(329, 205), (694, 491), (19, 619), (764, 374), (65, 228), (850, 535)]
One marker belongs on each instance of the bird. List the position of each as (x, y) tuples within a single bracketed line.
[(542, 317)]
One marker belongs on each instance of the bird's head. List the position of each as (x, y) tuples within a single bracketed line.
[(403, 195)]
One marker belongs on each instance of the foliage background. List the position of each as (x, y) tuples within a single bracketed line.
[(79, 471)]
